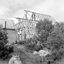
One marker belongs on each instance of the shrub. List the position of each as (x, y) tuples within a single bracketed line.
[(4, 50)]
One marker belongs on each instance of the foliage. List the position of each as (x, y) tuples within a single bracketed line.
[(49, 36), (45, 24), (31, 44), (44, 28), (55, 42), (52, 37), (4, 50)]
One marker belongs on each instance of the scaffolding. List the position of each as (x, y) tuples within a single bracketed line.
[(27, 25)]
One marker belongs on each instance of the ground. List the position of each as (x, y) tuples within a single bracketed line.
[(3, 62), (6, 62), (29, 58)]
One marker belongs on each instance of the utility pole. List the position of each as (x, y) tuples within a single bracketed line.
[(5, 26)]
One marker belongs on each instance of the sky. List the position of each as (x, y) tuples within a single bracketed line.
[(14, 8)]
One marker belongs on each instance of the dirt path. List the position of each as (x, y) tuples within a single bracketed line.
[(62, 61), (3, 62), (28, 58)]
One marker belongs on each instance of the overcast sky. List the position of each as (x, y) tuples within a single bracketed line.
[(13, 8)]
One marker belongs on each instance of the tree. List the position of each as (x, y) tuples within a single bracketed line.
[(52, 37), (44, 28), (55, 42), (4, 50), (45, 24)]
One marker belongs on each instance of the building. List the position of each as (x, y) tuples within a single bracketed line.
[(26, 26), (8, 26)]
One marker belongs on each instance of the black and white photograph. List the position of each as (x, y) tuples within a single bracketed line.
[(31, 31)]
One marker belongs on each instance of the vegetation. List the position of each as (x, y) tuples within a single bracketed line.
[(44, 28), (52, 37), (48, 36), (4, 50)]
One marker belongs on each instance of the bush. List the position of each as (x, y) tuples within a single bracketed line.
[(31, 44), (44, 28), (4, 50), (55, 42), (52, 37)]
